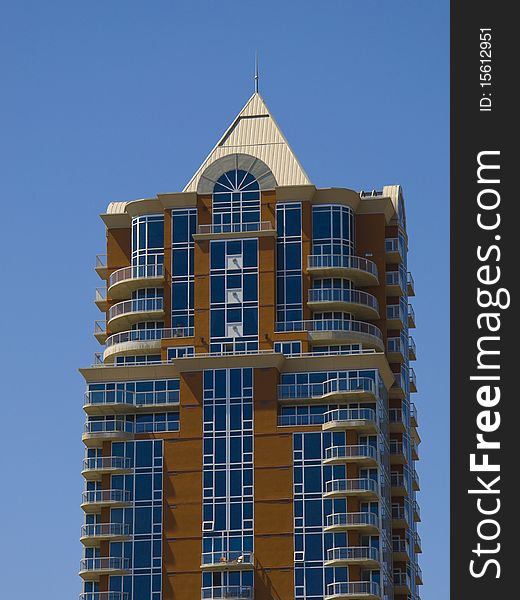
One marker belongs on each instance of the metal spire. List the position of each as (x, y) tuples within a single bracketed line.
[(256, 72)]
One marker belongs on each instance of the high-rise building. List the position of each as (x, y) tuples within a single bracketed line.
[(249, 431)]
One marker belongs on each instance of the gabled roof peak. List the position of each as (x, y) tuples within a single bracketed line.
[(254, 132)]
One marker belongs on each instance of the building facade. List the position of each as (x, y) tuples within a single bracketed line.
[(249, 431)]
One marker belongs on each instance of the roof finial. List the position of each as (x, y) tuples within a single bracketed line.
[(256, 72)]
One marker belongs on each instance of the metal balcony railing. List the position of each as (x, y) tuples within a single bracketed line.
[(345, 296), (105, 530), (104, 596), (106, 496), (131, 398), (155, 271), (227, 558), (148, 335), (355, 589), (338, 261), (353, 451), (236, 591), (352, 519), (289, 391), (353, 553), (351, 485), (216, 228), (111, 563), (133, 306), (350, 414), (107, 463)]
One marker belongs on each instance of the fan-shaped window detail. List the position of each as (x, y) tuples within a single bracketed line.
[(236, 198)]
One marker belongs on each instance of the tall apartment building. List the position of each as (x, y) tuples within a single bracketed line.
[(249, 431)]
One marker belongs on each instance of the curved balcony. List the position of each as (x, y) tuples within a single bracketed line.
[(359, 419), (341, 488), (104, 596), (123, 282), (93, 534), (363, 556), (338, 331), (91, 569), (142, 341), (360, 271), (95, 500), (359, 304), (364, 522), (109, 402), (125, 314), (354, 590), (96, 467), (356, 389), (97, 432), (237, 592), (227, 561), (364, 455)]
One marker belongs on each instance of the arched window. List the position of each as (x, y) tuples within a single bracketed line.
[(236, 198)]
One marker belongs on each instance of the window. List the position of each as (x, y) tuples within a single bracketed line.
[(236, 199)]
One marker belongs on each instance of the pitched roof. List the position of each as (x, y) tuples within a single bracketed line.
[(256, 133)]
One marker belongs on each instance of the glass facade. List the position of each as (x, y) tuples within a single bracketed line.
[(289, 283)]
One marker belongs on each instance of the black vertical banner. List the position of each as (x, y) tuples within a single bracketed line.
[(485, 332)]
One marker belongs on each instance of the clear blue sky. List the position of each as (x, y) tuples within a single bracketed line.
[(104, 101)]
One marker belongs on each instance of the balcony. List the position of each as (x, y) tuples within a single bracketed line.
[(362, 556), (357, 419), (101, 266), (235, 591), (96, 467), (402, 583), (395, 283), (115, 430), (363, 522), (337, 331), (95, 500), (397, 453), (123, 282), (416, 485), (415, 450), (414, 421), (125, 314), (397, 389), (364, 455), (142, 340), (418, 575), (94, 534), (401, 550), (360, 488), (410, 284), (394, 248), (395, 316), (395, 350), (417, 543), (397, 420), (100, 331), (104, 596), (360, 271), (412, 349), (100, 299), (228, 230), (354, 590), (400, 518), (357, 389), (416, 512), (110, 402), (91, 569), (413, 381), (227, 561), (411, 317), (398, 484), (359, 304)]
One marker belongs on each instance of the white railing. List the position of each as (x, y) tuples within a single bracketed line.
[(351, 485), (104, 596), (136, 272), (351, 519), (131, 397), (290, 391), (353, 553), (299, 420), (136, 305), (354, 589), (101, 463), (338, 261), (351, 451), (346, 296), (101, 261), (227, 558), (148, 335), (130, 427), (216, 228), (106, 496), (237, 592), (350, 414), (105, 530), (108, 563)]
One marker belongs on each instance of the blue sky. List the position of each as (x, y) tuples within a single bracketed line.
[(105, 101)]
